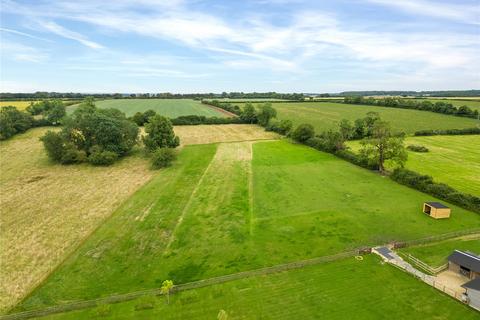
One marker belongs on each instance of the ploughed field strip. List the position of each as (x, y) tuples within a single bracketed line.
[(203, 134), (171, 108), (221, 209), (341, 289), (327, 115), (453, 160), (47, 209)]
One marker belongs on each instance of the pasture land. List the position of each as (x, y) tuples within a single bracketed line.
[(327, 115), (453, 160), (20, 105), (225, 208), (203, 134), (342, 289), (48, 209), (171, 108), (435, 254), (247, 100)]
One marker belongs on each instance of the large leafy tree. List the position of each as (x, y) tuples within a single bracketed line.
[(248, 114), (159, 134), (265, 113), (381, 145)]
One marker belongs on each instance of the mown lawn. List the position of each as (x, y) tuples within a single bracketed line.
[(436, 254), (171, 108), (454, 160), (218, 212), (345, 289), (327, 115)]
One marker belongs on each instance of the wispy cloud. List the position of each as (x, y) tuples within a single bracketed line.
[(20, 52), (24, 34), (468, 14), (63, 32)]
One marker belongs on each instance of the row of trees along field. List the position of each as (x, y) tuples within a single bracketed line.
[(102, 136), (43, 113), (378, 144), (438, 107)]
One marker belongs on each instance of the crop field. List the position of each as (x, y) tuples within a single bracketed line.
[(436, 254), (48, 210), (171, 108), (453, 160), (203, 134), (336, 290), (231, 207), (20, 105), (327, 115)]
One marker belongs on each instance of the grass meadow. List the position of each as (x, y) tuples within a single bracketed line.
[(47, 210), (171, 108), (327, 115), (231, 207), (435, 254), (342, 289), (453, 160)]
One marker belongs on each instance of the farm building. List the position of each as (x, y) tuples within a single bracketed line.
[(465, 263), (472, 291), (436, 210)]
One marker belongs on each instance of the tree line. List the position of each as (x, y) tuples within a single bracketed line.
[(416, 104)]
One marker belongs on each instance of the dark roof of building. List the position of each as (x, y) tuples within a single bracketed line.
[(437, 205), (473, 284), (465, 259)]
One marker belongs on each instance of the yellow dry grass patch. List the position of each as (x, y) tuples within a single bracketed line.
[(47, 210), (20, 105), (203, 134)]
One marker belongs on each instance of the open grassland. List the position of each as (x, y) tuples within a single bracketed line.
[(454, 160), (47, 210), (203, 134), (339, 290), (436, 254), (240, 206), (171, 108), (20, 105), (327, 115)]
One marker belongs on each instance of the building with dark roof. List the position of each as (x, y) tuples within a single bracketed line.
[(465, 263), (472, 291), (436, 210)]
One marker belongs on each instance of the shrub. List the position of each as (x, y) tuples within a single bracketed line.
[(100, 157), (54, 145), (13, 121), (282, 127), (448, 132), (146, 302), (303, 132), (163, 157), (417, 148)]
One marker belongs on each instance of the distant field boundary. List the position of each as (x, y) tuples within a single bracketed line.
[(85, 304), (228, 113)]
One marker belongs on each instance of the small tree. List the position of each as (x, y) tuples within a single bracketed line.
[(266, 113), (163, 157), (166, 288), (160, 134), (303, 132), (248, 114), (347, 131), (382, 146)]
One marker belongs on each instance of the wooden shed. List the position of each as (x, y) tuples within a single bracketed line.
[(436, 210)]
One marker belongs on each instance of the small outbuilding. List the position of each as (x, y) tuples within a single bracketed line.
[(436, 210), (465, 263), (472, 292)]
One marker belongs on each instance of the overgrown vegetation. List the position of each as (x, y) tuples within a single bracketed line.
[(417, 148), (13, 122)]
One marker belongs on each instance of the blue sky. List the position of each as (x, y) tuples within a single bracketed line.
[(250, 45)]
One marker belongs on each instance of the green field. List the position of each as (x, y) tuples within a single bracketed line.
[(453, 160), (217, 211), (327, 115), (474, 104), (171, 108), (436, 254), (339, 290)]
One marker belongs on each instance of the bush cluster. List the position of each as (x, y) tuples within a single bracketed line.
[(426, 184), (13, 122), (163, 157), (425, 105), (283, 127), (417, 148), (141, 118), (448, 132)]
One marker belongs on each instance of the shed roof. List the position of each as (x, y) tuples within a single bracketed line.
[(437, 205), (465, 259), (473, 284)]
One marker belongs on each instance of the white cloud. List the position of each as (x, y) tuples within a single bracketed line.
[(63, 32), (24, 34), (20, 52)]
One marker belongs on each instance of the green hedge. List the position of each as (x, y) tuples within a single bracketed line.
[(448, 132)]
